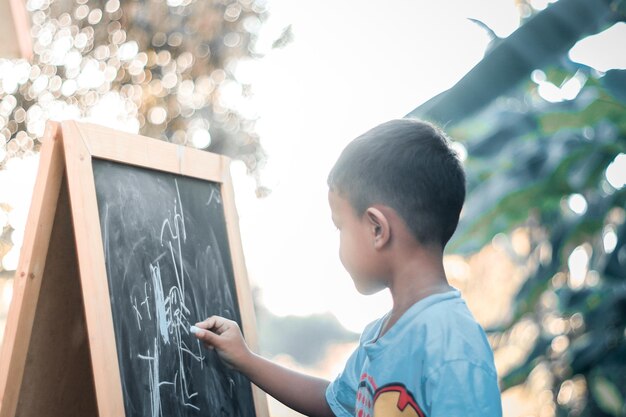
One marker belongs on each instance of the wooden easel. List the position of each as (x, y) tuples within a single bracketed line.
[(15, 24), (59, 356)]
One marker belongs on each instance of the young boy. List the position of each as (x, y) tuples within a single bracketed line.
[(395, 195)]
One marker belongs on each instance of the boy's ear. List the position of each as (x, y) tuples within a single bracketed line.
[(379, 226)]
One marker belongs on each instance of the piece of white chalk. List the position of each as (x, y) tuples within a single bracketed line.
[(194, 329)]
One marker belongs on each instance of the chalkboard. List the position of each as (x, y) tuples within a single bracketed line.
[(129, 241), (169, 266)]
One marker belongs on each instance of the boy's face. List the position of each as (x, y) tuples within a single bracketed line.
[(356, 249)]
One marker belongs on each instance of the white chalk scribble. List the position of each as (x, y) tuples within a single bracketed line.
[(172, 315)]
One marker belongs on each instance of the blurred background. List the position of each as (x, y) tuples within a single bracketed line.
[(532, 91)]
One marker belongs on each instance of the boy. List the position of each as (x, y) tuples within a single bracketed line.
[(395, 195)]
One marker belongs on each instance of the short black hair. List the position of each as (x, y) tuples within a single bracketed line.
[(408, 165)]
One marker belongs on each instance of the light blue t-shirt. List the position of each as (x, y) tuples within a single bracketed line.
[(434, 361)]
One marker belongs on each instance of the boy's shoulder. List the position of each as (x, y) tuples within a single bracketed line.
[(439, 329), (447, 332)]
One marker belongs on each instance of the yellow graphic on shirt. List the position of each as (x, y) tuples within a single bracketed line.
[(395, 401)]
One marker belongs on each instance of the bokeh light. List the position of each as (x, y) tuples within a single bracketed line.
[(616, 172), (577, 203), (100, 59), (578, 262)]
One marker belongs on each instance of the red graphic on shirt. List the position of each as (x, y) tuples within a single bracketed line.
[(365, 396), (391, 400), (394, 400)]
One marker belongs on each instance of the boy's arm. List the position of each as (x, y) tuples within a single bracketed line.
[(303, 393)]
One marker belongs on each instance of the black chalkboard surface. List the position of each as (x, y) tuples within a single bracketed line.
[(168, 266)]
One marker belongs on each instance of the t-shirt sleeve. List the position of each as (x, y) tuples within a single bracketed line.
[(464, 389), (341, 393)]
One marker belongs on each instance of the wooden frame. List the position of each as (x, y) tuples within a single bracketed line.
[(80, 144), (15, 24), (30, 271)]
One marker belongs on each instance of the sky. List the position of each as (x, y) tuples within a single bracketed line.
[(350, 66)]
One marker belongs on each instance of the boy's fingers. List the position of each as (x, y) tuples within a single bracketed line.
[(215, 323), (205, 336), (209, 323)]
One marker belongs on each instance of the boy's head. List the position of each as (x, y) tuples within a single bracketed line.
[(409, 166)]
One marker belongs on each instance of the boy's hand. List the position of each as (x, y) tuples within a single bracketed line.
[(225, 337), (303, 393)]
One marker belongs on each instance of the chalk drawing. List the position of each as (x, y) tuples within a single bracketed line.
[(137, 313), (214, 196), (171, 314), (145, 301)]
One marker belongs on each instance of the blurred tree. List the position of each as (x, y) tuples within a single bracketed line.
[(547, 155), (306, 339), (168, 69)]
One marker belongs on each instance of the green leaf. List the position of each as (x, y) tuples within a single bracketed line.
[(614, 81), (605, 107), (519, 374), (620, 7), (557, 75), (607, 396)]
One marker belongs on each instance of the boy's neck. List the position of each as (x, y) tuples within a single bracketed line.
[(415, 277)]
